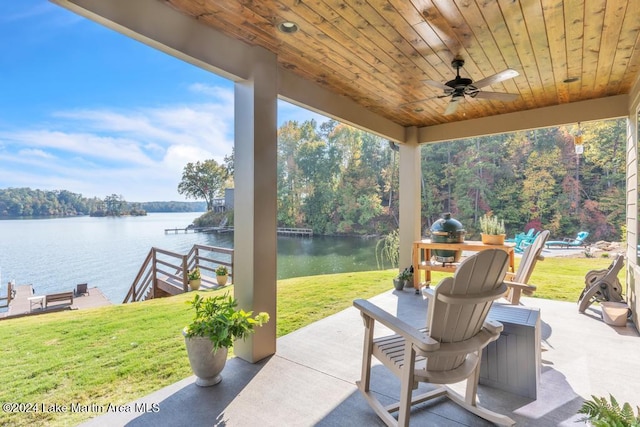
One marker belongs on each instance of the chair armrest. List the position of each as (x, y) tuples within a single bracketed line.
[(477, 342), (428, 292), (420, 340), (493, 326), (522, 286)]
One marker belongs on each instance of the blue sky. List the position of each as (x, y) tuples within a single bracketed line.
[(86, 109)]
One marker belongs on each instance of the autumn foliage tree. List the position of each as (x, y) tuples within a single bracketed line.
[(337, 179)]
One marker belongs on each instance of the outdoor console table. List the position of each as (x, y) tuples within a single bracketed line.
[(422, 257)]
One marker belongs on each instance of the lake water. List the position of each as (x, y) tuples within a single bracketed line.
[(55, 254)]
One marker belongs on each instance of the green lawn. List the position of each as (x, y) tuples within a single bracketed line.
[(116, 354)]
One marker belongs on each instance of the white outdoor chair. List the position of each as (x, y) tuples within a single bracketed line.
[(449, 349), (518, 282)]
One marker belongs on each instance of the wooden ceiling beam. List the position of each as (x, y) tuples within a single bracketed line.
[(584, 111)]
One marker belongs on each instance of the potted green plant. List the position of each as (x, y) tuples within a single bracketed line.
[(403, 279), (195, 279), (216, 325), (222, 275), (493, 231)]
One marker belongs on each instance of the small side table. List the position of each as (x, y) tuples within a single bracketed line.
[(35, 300), (513, 362)]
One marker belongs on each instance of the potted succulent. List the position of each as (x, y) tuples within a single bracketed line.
[(216, 325), (493, 231), (195, 279), (222, 274)]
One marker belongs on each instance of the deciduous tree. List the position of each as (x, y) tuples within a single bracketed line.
[(203, 180)]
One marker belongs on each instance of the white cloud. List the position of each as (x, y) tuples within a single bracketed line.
[(220, 93), (137, 152), (80, 144), (32, 152)]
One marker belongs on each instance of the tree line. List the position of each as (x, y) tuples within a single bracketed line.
[(339, 180), (25, 202)]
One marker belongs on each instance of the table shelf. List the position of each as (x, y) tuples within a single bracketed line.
[(422, 260), (437, 266)]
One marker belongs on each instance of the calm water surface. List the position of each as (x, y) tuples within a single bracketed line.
[(56, 254)]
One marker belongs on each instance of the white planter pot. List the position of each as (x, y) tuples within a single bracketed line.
[(222, 280), (205, 364), (195, 284)]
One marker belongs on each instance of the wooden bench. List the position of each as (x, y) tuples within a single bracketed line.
[(62, 296)]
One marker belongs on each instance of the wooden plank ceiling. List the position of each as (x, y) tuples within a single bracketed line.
[(380, 53)]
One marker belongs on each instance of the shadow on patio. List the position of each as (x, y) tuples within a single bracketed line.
[(311, 379)]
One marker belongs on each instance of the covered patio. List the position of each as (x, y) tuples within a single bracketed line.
[(311, 378), (382, 67), (386, 67)]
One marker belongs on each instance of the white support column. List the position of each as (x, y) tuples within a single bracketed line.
[(255, 235), (410, 206)]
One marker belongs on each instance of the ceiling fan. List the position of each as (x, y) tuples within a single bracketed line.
[(461, 86)]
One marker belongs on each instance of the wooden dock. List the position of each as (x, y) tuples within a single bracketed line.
[(282, 231), (187, 230), (26, 303), (288, 231)]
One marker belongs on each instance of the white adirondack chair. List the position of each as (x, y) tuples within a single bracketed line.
[(450, 348), (518, 283)]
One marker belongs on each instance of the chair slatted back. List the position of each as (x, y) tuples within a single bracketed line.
[(461, 303), (530, 257), (581, 237)]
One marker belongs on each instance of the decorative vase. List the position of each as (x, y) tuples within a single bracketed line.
[(493, 239), (205, 363), (222, 280), (398, 284), (194, 284)]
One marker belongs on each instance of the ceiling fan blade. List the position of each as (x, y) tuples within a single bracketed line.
[(498, 96), (452, 107), (496, 78), (438, 85)]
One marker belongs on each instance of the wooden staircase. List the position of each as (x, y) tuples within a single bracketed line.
[(164, 273)]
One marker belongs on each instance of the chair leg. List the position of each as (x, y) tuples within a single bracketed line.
[(515, 296), (406, 384), (472, 386), (365, 375)]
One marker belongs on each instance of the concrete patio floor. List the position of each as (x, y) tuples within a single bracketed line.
[(311, 379)]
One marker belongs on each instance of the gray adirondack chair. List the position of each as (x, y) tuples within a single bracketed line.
[(518, 282), (449, 349)]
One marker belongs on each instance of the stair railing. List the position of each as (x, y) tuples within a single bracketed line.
[(143, 280), (208, 258), (171, 265)]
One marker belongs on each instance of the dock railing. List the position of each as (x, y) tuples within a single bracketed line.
[(171, 269), (282, 231)]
